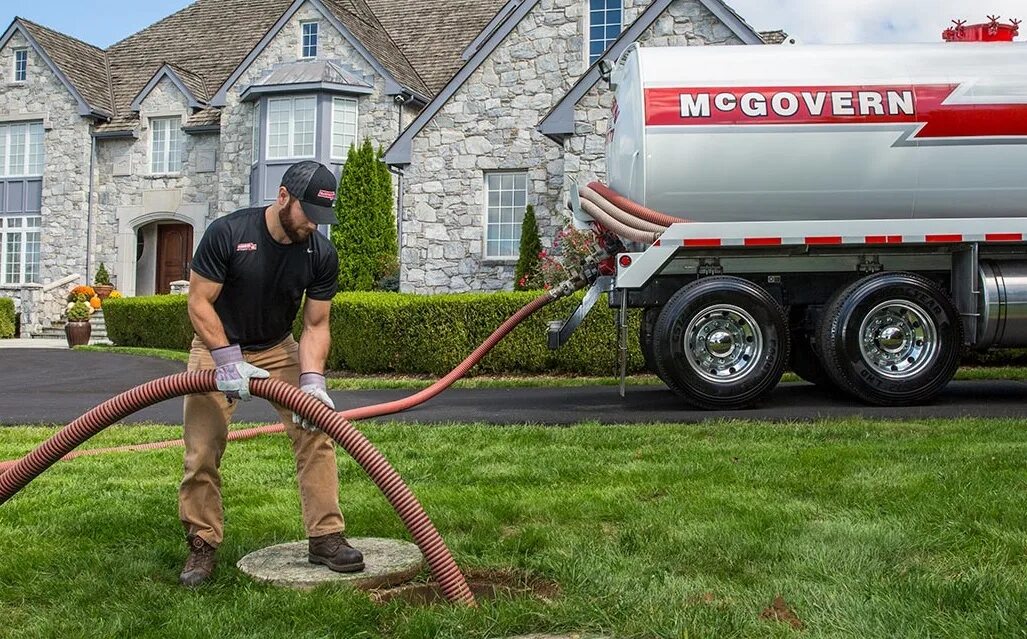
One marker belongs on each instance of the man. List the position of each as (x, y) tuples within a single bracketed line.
[(249, 275)]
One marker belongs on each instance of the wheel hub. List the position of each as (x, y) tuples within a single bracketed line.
[(898, 339), (723, 343)]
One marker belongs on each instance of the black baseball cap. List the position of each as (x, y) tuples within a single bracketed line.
[(313, 184)]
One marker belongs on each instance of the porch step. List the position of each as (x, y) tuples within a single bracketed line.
[(97, 333)]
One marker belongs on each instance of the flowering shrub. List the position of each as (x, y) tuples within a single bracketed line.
[(570, 248), (115, 295), (81, 290)]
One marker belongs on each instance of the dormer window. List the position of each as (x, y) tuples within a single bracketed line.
[(309, 43), (21, 65)]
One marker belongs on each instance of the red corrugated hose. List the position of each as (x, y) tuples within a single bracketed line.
[(16, 474)]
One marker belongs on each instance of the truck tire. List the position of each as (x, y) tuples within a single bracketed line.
[(645, 337), (721, 343), (891, 339)]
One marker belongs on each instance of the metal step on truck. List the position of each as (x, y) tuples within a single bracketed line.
[(857, 214)]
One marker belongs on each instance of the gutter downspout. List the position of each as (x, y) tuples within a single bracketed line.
[(89, 208), (400, 101)]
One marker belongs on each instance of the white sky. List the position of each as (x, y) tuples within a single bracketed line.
[(845, 21)]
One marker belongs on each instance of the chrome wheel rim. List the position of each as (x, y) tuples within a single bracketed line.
[(723, 343), (898, 339)]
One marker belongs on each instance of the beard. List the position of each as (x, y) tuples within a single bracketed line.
[(296, 232)]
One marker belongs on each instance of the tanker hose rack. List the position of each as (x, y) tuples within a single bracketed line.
[(16, 474)]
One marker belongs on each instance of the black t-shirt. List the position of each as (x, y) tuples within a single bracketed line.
[(264, 280)]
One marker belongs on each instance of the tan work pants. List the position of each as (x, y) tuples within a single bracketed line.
[(206, 430)]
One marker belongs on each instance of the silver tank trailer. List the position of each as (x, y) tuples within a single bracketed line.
[(822, 132)]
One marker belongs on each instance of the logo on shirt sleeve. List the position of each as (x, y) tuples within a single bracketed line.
[(246, 246)]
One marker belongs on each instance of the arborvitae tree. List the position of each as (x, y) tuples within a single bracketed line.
[(365, 236), (531, 249)]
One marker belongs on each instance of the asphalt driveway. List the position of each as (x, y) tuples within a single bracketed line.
[(56, 386)]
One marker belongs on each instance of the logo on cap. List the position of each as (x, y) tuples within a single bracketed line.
[(328, 195)]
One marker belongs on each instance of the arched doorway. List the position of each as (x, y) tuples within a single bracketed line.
[(164, 251)]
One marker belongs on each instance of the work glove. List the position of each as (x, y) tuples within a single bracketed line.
[(233, 373), (313, 384)]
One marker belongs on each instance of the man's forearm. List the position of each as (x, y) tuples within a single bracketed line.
[(314, 349), (207, 324)]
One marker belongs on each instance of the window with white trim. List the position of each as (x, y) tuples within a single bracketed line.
[(605, 22), (344, 127), (505, 197), (19, 249), (21, 149), (21, 65), (309, 41), (290, 128), (165, 145)]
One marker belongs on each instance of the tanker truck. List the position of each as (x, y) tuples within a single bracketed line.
[(857, 214)]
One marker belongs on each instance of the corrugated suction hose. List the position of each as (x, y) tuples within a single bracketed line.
[(17, 474)]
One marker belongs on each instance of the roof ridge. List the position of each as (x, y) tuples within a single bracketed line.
[(60, 33), (110, 85)]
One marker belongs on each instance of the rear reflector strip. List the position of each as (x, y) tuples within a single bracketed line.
[(702, 241), (884, 239), (763, 241), (833, 239), (1003, 237), (944, 238)]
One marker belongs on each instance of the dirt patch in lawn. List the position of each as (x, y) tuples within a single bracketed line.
[(781, 611)]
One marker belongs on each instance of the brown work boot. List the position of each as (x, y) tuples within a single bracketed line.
[(335, 552), (200, 563)]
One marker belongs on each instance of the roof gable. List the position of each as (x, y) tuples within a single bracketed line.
[(177, 76), (559, 122), (81, 67), (392, 84), (400, 151)]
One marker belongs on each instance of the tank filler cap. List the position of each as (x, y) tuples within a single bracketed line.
[(991, 31)]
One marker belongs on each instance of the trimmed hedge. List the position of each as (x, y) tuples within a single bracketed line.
[(7, 317), (159, 321), (397, 333), (378, 332)]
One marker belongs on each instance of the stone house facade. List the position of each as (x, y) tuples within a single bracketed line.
[(125, 155)]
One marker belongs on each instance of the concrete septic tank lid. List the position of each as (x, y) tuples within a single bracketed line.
[(387, 562)]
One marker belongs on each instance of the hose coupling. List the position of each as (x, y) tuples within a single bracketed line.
[(567, 287)]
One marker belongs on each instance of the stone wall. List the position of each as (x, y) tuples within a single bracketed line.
[(490, 124), (65, 180), (684, 23), (377, 115), (126, 187)]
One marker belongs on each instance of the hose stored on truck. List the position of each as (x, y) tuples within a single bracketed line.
[(15, 475)]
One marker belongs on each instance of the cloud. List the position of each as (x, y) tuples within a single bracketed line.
[(850, 21)]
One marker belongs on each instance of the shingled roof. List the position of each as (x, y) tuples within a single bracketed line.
[(83, 64), (418, 43), (437, 30)]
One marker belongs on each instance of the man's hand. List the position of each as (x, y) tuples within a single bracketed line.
[(313, 384), (233, 373)]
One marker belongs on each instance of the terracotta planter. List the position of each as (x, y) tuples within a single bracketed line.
[(103, 290), (77, 333)]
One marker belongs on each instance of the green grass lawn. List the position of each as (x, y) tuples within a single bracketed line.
[(865, 529)]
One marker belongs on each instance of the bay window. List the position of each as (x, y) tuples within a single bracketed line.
[(290, 128)]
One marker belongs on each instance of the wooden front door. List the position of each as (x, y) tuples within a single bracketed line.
[(174, 254)]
